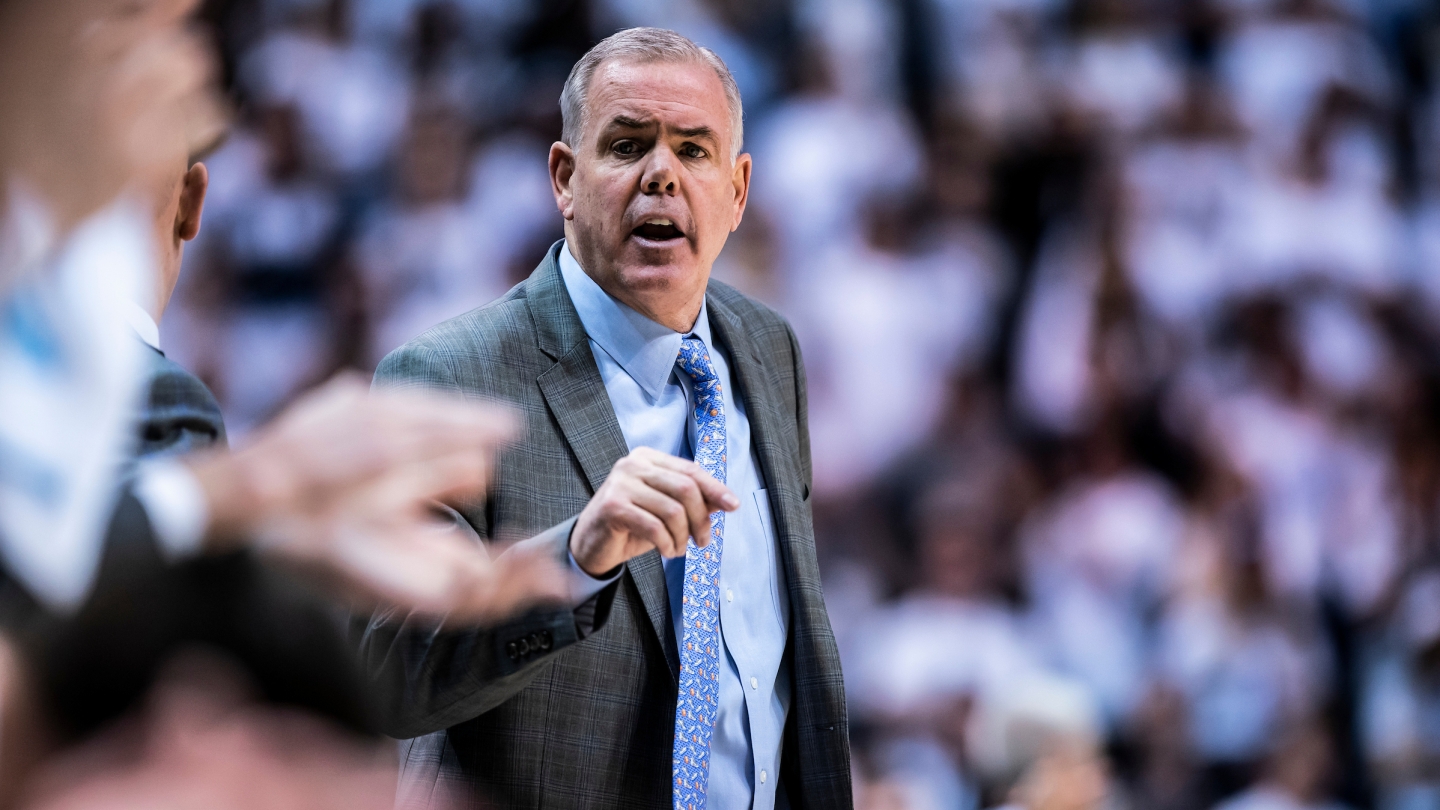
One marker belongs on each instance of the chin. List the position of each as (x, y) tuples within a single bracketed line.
[(659, 267), (665, 277)]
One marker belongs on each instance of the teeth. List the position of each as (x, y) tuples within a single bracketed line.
[(658, 222)]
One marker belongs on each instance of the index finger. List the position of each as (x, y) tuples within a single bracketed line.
[(432, 420), (412, 422), (717, 496)]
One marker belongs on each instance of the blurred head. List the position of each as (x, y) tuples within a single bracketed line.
[(433, 161), (177, 221), (1070, 774), (1303, 762), (956, 539), (100, 96), (648, 174), (280, 128)]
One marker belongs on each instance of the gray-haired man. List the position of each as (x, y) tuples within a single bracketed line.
[(662, 406)]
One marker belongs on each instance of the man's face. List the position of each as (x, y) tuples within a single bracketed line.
[(650, 193)]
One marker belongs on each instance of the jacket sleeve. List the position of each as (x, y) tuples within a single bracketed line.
[(430, 678)]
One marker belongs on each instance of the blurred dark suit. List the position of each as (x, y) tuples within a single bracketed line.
[(180, 414), (533, 715), (95, 665)]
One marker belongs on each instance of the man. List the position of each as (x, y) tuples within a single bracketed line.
[(688, 674), (179, 413), (99, 662), (102, 96)]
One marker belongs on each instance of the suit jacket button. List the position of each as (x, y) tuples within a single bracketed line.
[(524, 645), (546, 640), (512, 651)]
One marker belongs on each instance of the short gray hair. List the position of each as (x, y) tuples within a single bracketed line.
[(643, 45)]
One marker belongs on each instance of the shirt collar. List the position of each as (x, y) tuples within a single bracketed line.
[(644, 348), (143, 324)]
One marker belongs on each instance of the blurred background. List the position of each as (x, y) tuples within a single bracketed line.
[(1121, 318)]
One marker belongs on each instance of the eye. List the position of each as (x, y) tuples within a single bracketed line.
[(626, 148), (690, 150)]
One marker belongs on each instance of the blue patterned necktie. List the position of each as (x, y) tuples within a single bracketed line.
[(700, 604)]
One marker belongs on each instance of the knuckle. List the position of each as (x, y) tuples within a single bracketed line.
[(610, 510)]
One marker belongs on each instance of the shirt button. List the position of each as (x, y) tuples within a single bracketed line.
[(754, 683), (763, 776), (729, 595)]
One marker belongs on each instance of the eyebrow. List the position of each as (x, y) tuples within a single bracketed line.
[(698, 132), (693, 132)]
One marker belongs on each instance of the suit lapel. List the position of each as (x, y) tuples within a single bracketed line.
[(577, 399), (766, 435), (576, 396)]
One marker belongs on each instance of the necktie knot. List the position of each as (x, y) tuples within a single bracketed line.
[(694, 360)]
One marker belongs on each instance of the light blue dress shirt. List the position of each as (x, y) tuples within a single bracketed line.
[(636, 357)]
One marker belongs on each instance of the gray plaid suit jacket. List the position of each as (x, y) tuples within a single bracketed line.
[(575, 709), (179, 414)]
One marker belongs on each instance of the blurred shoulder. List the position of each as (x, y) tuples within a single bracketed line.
[(768, 328), (448, 354), (179, 412), (168, 380)]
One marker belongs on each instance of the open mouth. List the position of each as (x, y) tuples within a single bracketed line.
[(658, 229)]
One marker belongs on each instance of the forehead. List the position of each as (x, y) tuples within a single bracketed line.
[(685, 94)]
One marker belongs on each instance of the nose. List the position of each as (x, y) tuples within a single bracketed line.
[(660, 175)]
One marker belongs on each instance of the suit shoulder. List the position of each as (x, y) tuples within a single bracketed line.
[(484, 335), (766, 327), (751, 311), (170, 383)]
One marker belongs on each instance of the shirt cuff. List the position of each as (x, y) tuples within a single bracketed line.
[(175, 504), (584, 587)]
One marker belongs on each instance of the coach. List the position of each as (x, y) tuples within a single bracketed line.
[(662, 406)]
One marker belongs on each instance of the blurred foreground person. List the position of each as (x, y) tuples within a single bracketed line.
[(204, 739), (179, 413), (337, 486), (103, 98), (695, 666)]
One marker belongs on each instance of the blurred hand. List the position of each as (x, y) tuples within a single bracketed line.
[(341, 486), (100, 95), (25, 737), (651, 500)]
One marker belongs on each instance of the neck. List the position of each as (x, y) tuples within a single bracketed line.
[(679, 319), (169, 271)]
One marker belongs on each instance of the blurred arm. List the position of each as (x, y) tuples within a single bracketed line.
[(340, 488), (434, 678)]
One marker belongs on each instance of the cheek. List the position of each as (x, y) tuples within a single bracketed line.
[(604, 201), (718, 211)]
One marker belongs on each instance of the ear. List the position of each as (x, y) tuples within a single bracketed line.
[(562, 169), (741, 181), (192, 201)]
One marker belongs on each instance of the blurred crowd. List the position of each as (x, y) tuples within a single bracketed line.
[(1119, 318)]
